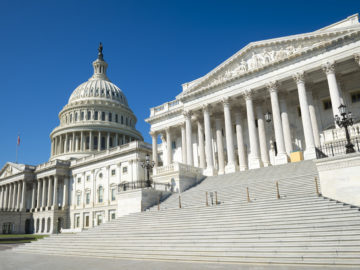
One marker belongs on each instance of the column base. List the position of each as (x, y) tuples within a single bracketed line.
[(243, 168), (266, 164), (281, 159), (210, 171), (230, 168), (221, 172), (254, 163), (310, 153)]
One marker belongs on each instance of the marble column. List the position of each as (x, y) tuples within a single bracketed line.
[(66, 143), (329, 69), (6, 196), (49, 190), (55, 196), (219, 144), (66, 191), (309, 152), (43, 202), (183, 144), (154, 148), (61, 145), (231, 165), (116, 139), (13, 203), (281, 157), (189, 146), (262, 136), (33, 196), (76, 143), (313, 119), (23, 193), (168, 147), (99, 141), (73, 142), (254, 157), (82, 141), (91, 141), (52, 147), (201, 143), (209, 171), (108, 140), (286, 126), (38, 205), (1, 196), (18, 196)]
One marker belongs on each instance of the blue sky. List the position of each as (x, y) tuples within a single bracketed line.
[(152, 47)]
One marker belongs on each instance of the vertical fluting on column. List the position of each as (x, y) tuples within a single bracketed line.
[(168, 146), (329, 69), (52, 147), (90, 140), (99, 141), (286, 125), (219, 145), (230, 166), (208, 143), (73, 142), (313, 119), (55, 197), (13, 204), (11, 194), (49, 190), (66, 191), (38, 205), (6, 196), (66, 143), (262, 136), (82, 141), (254, 158), (1, 197), (183, 144), (61, 148), (154, 147), (116, 139), (18, 196), (33, 196), (23, 194), (189, 146), (281, 157), (108, 140), (309, 152), (43, 202), (201, 143)]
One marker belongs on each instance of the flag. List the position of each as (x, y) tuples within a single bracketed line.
[(18, 140)]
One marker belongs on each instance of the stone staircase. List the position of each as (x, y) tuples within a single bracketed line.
[(299, 228)]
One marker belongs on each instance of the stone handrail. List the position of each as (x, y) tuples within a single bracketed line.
[(165, 107), (337, 134), (177, 167)]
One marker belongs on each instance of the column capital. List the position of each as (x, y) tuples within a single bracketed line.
[(299, 77), (225, 101), (248, 94), (328, 67), (187, 113), (273, 86), (206, 107), (153, 133), (357, 58)]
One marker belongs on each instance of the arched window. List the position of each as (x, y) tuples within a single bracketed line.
[(70, 117), (116, 118), (100, 195), (89, 115), (82, 116), (76, 116), (96, 115), (103, 116), (122, 120), (110, 117)]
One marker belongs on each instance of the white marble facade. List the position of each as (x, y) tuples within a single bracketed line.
[(95, 148), (217, 122)]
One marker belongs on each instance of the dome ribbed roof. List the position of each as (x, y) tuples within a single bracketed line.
[(98, 86)]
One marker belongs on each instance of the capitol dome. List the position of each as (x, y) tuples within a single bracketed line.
[(97, 117)]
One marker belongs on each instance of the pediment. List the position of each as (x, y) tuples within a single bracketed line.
[(260, 55), (11, 169)]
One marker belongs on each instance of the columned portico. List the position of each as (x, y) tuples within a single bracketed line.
[(154, 148), (309, 152), (189, 146), (219, 144), (201, 144), (286, 125), (230, 166), (183, 144), (168, 147), (262, 136), (281, 157), (329, 69)]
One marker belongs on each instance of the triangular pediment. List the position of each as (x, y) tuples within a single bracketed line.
[(262, 54), (11, 169)]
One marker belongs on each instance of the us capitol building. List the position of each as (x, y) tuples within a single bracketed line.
[(94, 149), (271, 103)]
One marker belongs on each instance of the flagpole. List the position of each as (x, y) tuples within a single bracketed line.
[(17, 147)]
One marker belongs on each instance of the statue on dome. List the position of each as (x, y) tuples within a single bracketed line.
[(100, 55)]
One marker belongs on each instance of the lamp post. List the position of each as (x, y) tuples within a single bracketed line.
[(147, 165), (345, 121), (268, 117)]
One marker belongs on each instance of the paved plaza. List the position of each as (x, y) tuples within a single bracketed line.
[(21, 261)]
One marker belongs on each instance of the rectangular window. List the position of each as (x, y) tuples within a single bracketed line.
[(77, 223), (96, 115), (122, 120), (88, 198), (113, 172), (103, 116), (88, 178), (173, 145), (127, 121), (87, 221), (327, 104), (116, 118), (82, 116), (79, 180), (355, 97), (78, 198), (110, 117), (125, 169), (89, 115), (113, 194), (113, 216)]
